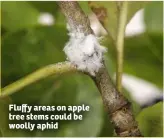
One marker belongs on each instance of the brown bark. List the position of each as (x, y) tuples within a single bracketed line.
[(117, 106)]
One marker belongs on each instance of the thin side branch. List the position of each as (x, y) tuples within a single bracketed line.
[(53, 69), (117, 106), (123, 10)]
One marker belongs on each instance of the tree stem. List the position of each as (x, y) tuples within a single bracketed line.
[(42, 73), (117, 106), (123, 10)]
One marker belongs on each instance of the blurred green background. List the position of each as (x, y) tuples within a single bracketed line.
[(27, 45)]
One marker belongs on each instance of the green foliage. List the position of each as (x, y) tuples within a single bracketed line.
[(14, 19), (150, 121), (148, 63), (153, 22), (27, 46), (4, 120)]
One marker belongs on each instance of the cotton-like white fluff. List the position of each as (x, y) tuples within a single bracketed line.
[(85, 52)]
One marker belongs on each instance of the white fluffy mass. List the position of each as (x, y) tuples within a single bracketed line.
[(85, 52)]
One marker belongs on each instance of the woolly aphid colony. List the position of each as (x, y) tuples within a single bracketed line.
[(84, 52)]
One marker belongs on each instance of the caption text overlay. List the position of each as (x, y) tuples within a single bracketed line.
[(43, 117)]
